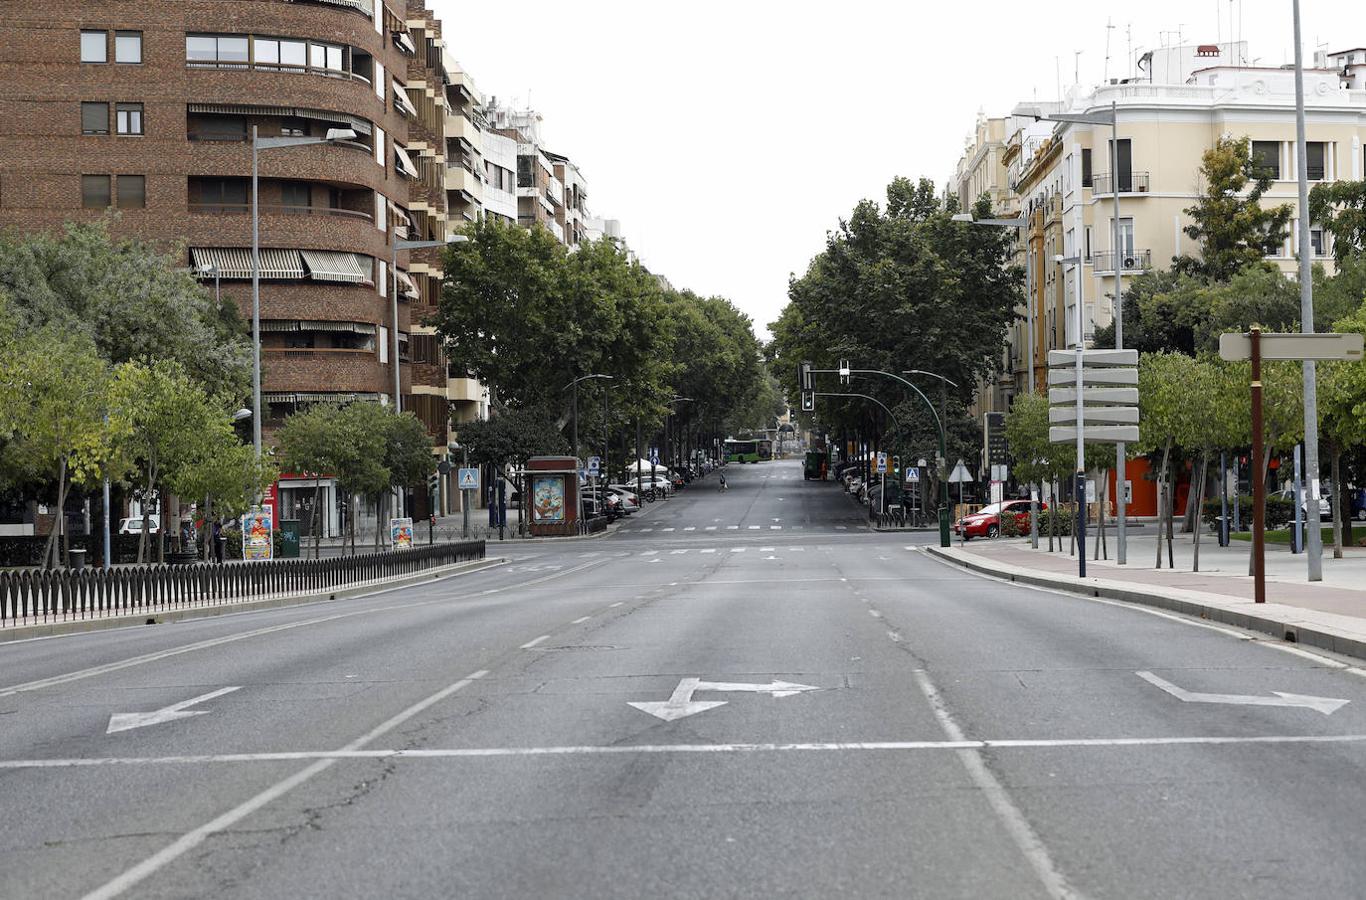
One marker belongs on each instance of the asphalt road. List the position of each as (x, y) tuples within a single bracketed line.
[(927, 733)]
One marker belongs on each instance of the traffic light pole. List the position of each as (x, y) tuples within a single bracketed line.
[(807, 371)]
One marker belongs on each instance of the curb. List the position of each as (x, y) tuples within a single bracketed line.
[(1282, 629), (81, 626)]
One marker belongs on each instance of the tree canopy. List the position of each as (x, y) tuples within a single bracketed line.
[(1228, 220)]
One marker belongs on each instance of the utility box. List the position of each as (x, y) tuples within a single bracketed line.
[(552, 487), (289, 539)]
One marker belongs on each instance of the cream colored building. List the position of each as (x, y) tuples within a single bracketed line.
[(1062, 179)]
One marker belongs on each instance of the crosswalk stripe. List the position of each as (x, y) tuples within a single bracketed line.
[(668, 529), (676, 552), (754, 528), (738, 549), (732, 527), (710, 528), (691, 528), (708, 550), (775, 528)]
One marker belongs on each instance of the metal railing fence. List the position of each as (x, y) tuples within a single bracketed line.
[(36, 596)]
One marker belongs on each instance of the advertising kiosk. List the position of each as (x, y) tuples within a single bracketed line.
[(552, 486)]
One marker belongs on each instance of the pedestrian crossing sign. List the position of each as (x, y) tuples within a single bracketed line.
[(469, 479)]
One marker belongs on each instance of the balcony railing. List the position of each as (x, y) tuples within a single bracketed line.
[(276, 67), (1132, 261), (1129, 183), (239, 209), (318, 352)]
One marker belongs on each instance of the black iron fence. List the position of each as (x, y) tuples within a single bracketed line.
[(43, 596)]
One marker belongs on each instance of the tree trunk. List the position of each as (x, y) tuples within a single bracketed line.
[(1189, 519), (381, 504), (1100, 513), (51, 552), (1337, 502), (1163, 501), (206, 533), (1199, 508)]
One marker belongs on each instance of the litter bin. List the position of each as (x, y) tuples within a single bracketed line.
[(289, 539), (77, 560)]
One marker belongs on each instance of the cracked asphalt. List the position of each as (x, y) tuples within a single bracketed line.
[(948, 735)]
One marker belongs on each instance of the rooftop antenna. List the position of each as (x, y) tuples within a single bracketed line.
[(1129, 34), (1109, 27), (1057, 74), (1076, 67)]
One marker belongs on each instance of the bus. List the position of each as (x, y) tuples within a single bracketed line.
[(742, 451)]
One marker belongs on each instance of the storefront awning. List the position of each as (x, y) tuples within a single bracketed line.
[(235, 263), (331, 265)]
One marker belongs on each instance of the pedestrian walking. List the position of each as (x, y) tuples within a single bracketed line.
[(723, 482)]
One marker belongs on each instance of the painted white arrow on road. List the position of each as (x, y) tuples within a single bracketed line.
[(681, 704), (129, 721), (1325, 705)]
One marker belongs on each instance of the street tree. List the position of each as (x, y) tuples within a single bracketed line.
[(511, 437), (310, 443), (1228, 220), (1342, 415), (1340, 207), (132, 301), (408, 452)]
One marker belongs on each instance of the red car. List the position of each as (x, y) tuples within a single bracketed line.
[(986, 522)]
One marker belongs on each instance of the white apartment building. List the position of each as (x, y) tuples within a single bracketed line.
[(1060, 176), (500, 176)]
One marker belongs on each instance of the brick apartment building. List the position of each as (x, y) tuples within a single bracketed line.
[(148, 108)]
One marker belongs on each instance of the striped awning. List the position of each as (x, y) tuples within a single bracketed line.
[(351, 327), (403, 163), (407, 287), (331, 265), (402, 103), (405, 43), (364, 6), (235, 263), (357, 124)]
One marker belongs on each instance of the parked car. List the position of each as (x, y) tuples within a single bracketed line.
[(1287, 495), (134, 525), (986, 522)]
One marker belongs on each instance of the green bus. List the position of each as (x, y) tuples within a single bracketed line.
[(742, 451)]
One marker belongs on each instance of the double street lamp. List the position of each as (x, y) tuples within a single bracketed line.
[(574, 410)]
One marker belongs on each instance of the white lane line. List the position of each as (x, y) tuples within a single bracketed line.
[(676, 552), (691, 528), (615, 749), (188, 841), (767, 549), (708, 550), (615, 605), (738, 549), (895, 636), (1014, 821), (534, 641), (841, 527), (580, 620), (709, 528), (775, 528), (796, 549), (754, 528), (648, 552), (875, 614), (643, 530), (732, 527)]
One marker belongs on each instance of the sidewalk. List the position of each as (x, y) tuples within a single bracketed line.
[(1330, 614)]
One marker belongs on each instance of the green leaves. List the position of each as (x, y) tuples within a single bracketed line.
[(1228, 220), (365, 446)]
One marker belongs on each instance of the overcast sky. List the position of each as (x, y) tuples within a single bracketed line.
[(729, 137)]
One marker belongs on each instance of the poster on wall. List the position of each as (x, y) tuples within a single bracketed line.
[(547, 500), (400, 534), (257, 533)]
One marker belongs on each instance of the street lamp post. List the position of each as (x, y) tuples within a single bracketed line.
[(1111, 118), (574, 409), (1022, 224), (258, 144), (1314, 546)]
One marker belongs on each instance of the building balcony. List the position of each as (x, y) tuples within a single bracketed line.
[(1131, 260), (458, 126), (464, 389), (1129, 183), (462, 180)]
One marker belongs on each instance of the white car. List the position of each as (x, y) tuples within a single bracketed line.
[(134, 525)]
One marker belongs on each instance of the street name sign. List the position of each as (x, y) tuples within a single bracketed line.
[(1093, 358), (1096, 434), (1234, 347), (1098, 415), (1100, 377), (1119, 396)]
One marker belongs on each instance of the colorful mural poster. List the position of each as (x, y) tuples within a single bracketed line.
[(547, 499), (257, 533), (400, 534)]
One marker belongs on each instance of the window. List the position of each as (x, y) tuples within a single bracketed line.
[(266, 50), (1126, 236), (293, 128), (94, 118), (218, 195), (293, 53), (129, 117), (208, 48), (1086, 168), (94, 47), (95, 191), (1266, 158), (296, 193), (217, 128), (1316, 156), (325, 56), (132, 191), (1124, 162), (1087, 254), (1317, 241), (128, 47)]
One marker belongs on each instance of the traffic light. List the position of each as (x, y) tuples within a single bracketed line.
[(805, 370), (808, 401), (433, 485), (896, 464)]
